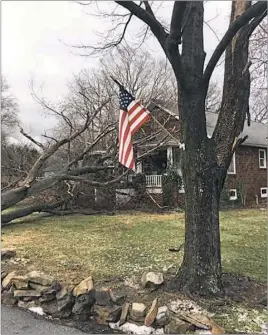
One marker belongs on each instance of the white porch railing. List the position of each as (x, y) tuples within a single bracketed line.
[(153, 180)]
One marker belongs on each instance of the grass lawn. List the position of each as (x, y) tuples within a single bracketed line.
[(71, 248)]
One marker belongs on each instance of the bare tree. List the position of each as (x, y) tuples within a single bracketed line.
[(205, 160), (259, 58), (9, 108), (213, 98), (16, 161)]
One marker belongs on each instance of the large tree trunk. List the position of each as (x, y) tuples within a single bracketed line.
[(201, 267), (205, 161)]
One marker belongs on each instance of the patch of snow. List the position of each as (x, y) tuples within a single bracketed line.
[(37, 310), (177, 306), (131, 328), (166, 268), (131, 283), (264, 328)]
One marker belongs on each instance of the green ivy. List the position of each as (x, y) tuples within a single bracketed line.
[(171, 183)]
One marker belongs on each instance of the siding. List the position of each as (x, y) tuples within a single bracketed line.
[(248, 174)]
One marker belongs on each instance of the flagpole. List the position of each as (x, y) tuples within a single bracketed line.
[(181, 145)]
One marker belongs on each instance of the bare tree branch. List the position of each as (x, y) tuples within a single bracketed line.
[(92, 182), (156, 27), (39, 144), (256, 10)]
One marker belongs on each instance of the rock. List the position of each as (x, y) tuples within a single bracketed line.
[(117, 298), (151, 315), (137, 312), (7, 253), (83, 305), (177, 326), (196, 319), (124, 313), (102, 297), (38, 277), (152, 279), (65, 300), (20, 282), (162, 317), (3, 275), (84, 287), (27, 305), (48, 295), (7, 281), (51, 307), (7, 298), (26, 299), (26, 293), (38, 287), (104, 315), (203, 322)]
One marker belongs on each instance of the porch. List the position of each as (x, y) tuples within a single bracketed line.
[(154, 182), (156, 164)]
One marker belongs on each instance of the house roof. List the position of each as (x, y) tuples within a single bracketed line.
[(257, 132)]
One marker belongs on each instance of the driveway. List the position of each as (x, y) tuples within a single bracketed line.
[(15, 321)]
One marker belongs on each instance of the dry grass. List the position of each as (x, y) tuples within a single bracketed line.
[(71, 248)]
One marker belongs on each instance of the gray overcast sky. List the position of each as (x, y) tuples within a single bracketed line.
[(31, 31)]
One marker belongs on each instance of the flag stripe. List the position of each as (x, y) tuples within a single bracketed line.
[(135, 127), (132, 116), (126, 156), (140, 117), (132, 110), (122, 131), (127, 145)]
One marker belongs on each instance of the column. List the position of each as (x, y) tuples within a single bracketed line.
[(170, 157)]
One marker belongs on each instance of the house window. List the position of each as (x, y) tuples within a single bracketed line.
[(232, 167), (264, 192), (262, 158), (233, 194)]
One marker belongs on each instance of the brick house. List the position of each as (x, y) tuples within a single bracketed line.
[(246, 182)]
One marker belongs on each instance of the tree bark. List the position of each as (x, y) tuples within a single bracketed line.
[(201, 267), (21, 212), (200, 271)]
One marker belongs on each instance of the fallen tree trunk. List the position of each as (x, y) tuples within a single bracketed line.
[(21, 212), (14, 196), (77, 211)]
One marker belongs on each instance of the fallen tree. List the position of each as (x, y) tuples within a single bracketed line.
[(82, 149)]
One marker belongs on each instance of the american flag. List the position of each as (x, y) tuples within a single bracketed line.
[(132, 116)]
